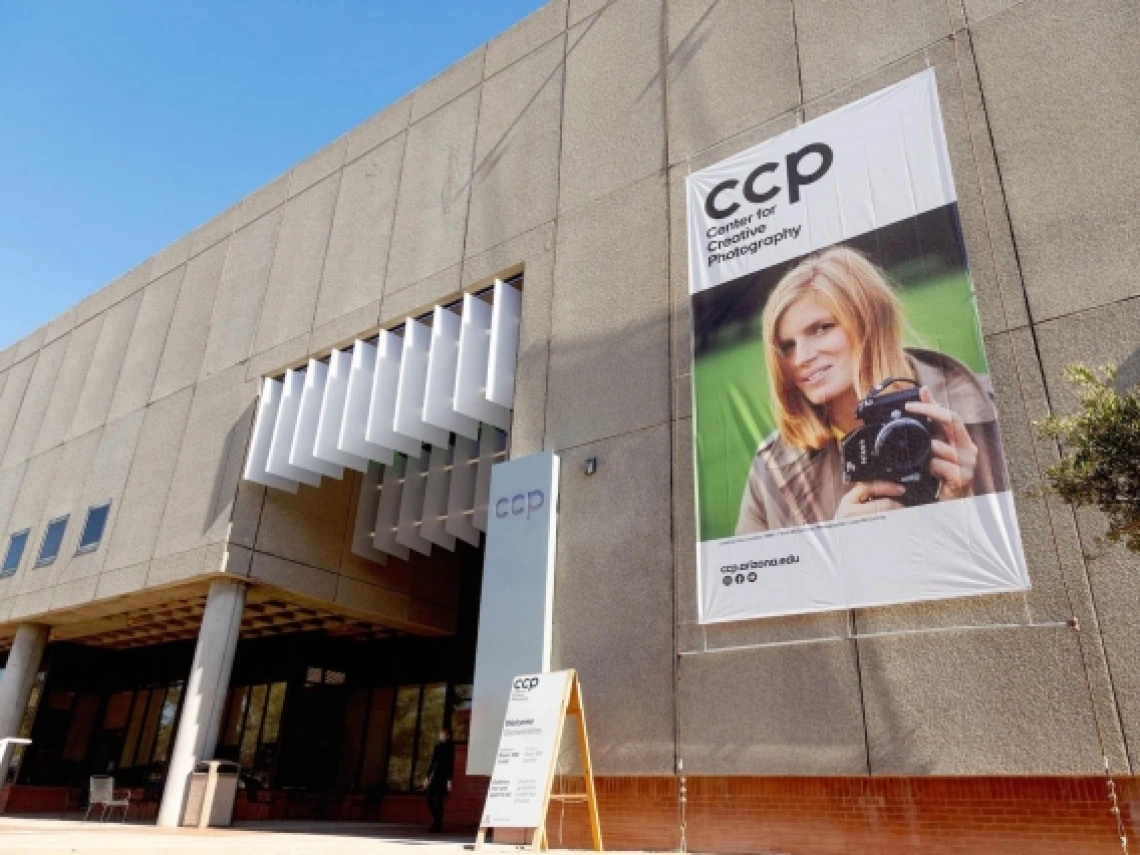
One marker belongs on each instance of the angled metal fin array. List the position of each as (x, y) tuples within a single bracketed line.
[(421, 412)]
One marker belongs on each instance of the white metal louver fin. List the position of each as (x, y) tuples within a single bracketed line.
[(439, 391), (308, 417), (367, 506), (472, 364), (410, 390), (505, 313), (433, 525), (283, 430), (412, 506), (388, 511), (461, 491), (385, 356), (352, 439), (332, 414), (262, 438)]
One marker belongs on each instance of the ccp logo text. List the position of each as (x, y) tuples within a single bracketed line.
[(520, 504), (527, 683), (793, 173)]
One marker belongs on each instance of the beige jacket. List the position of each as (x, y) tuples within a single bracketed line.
[(789, 486)]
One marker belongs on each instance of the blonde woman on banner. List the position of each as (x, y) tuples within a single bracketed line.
[(864, 425)]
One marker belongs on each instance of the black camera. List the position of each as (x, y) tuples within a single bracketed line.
[(892, 444)]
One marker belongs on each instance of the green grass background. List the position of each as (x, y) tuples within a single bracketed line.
[(731, 408)]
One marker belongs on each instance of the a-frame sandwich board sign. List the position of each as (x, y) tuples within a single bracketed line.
[(521, 781)]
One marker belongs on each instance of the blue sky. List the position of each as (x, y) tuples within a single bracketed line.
[(126, 123)]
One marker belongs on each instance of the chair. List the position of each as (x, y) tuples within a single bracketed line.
[(103, 793)]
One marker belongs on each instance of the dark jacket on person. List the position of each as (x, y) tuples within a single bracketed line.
[(789, 486), (442, 766)]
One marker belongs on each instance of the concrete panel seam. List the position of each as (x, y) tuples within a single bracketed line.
[(395, 216), (474, 166), (131, 469), (458, 95), (16, 415), (671, 392), (824, 96), (268, 275), (992, 15), (610, 437), (325, 254), (526, 55), (553, 235)]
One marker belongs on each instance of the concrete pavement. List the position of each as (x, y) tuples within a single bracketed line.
[(30, 835)]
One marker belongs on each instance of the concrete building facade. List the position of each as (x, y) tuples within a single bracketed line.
[(559, 151)]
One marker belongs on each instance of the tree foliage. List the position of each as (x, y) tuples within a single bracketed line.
[(1100, 444)]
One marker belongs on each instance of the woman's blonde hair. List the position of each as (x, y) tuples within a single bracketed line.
[(864, 305)]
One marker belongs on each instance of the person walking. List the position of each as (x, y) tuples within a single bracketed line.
[(438, 780)]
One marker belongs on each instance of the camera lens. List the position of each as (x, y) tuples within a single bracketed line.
[(903, 445)]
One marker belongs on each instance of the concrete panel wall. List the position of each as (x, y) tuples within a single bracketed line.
[(514, 185), (144, 499), (69, 384), (237, 304), (182, 351), (148, 336), (34, 404), (435, 186), (561, 150), (99, 386), (291, 295)]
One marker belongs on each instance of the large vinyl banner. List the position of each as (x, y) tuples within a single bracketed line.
[(846, 440)]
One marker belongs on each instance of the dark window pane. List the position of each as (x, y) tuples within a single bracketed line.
[(166, 722), (252, 726), (127, 759), (376, 741), (276, 704), (232, 731), (118, 711), (81, 727), (53, 540), (431, 720), (352, 739), (403, 738), (15, 552), (93, 528), (150, 727)]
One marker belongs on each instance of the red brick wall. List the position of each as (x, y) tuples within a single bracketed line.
[(812, 816), (877, 816)]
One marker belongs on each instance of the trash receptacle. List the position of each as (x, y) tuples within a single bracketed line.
[(211, 794)]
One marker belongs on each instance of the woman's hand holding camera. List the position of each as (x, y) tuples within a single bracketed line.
[(954, 456), (870, 497)]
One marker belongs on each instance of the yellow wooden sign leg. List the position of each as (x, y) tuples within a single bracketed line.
[(579, 711)]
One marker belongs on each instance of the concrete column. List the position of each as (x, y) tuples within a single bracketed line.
[(17, 680), (205, 698)]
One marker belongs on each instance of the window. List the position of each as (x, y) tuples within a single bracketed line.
[(252, 727), (53, 540), (416, 720), (389, 733), (148, 717), (93, 528), (16, 545)]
